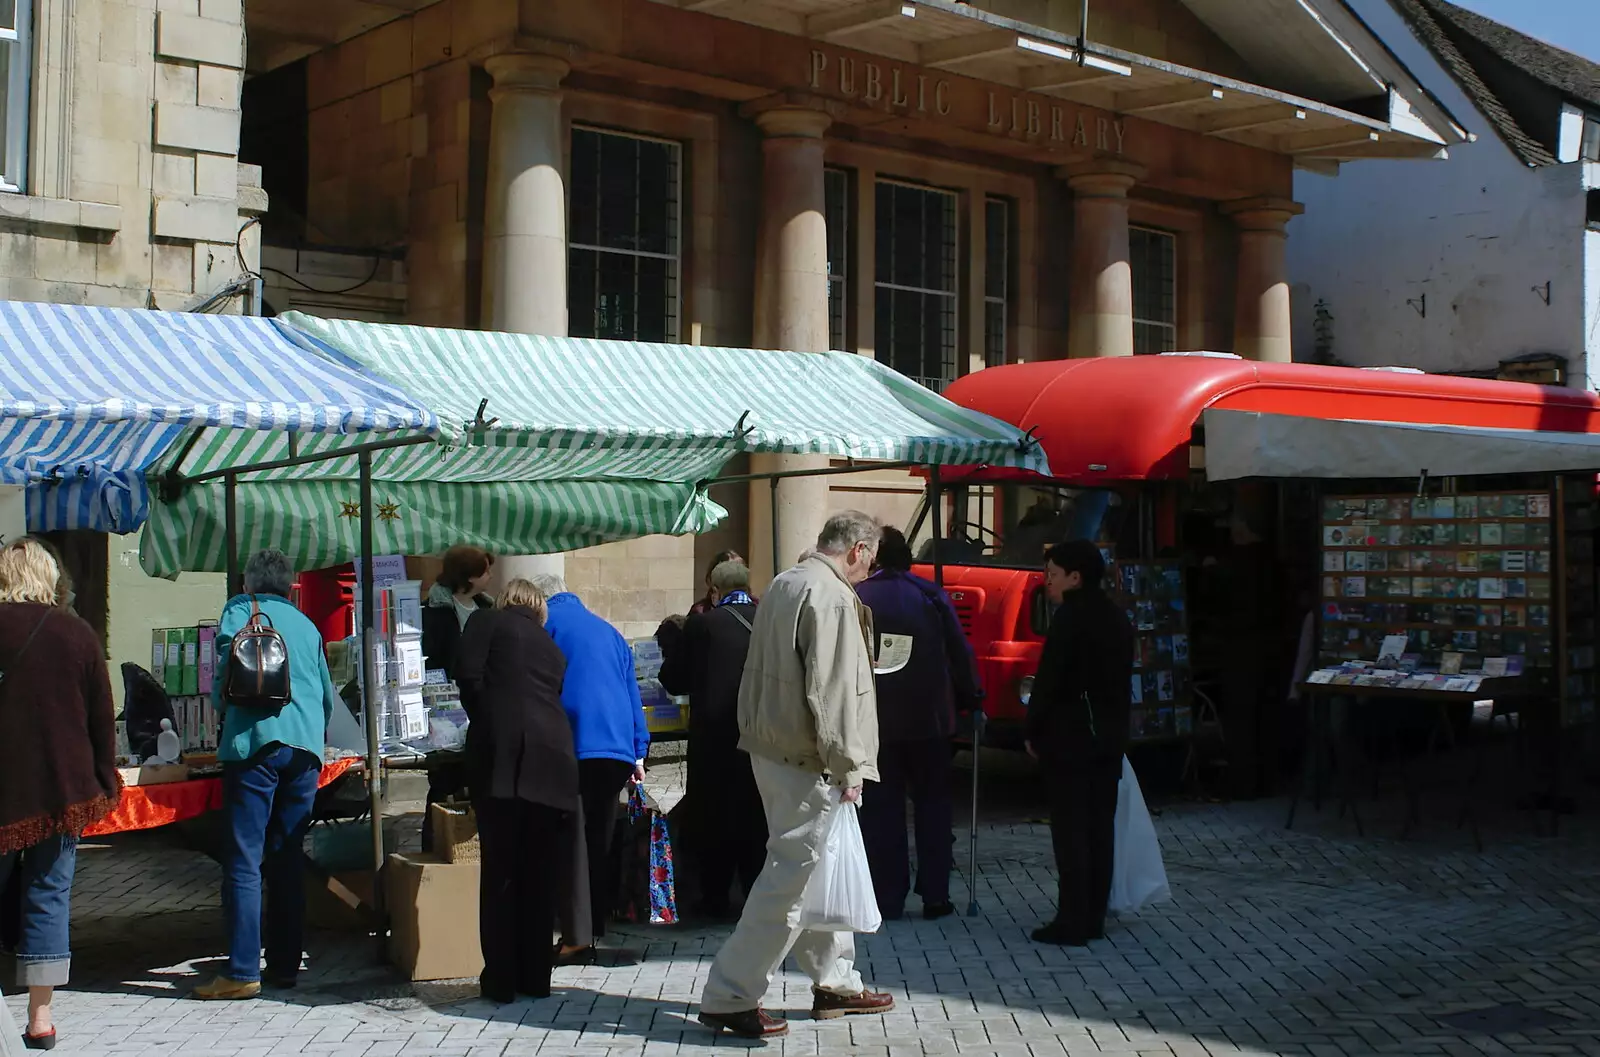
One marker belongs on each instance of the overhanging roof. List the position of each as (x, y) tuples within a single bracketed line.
[(1242, 444), (941, 34), (1134, 418)]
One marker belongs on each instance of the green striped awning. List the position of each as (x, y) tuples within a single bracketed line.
[(581, 442)]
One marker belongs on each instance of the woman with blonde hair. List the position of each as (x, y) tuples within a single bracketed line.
[(57, 723), (523, 776)]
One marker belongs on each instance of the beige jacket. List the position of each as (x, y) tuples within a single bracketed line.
[(807, 698)]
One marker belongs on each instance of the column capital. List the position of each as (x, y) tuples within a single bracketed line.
[(1262, 213), (526, 71), (792, 114), (1101, 177)]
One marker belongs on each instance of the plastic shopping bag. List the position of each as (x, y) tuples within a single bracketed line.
[(650, 891), (1137, 874), (839, 897)]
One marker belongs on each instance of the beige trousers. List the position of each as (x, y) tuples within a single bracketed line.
[(797, 809)]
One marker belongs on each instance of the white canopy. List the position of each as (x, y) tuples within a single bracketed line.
[(1253, 444)]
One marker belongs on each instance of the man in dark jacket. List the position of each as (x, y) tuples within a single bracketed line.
[(727, 826), (1078, 718), (919, 695)]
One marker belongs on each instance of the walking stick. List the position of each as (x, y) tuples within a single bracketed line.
[(978, 722)]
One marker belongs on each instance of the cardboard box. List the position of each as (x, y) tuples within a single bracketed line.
[(158, 655), (433, 915), (208, 661), (155, 774), (191, 661), (172, 675)]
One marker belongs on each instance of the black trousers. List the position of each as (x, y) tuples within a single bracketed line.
[(1083, 815), (516, 900), (920, 769), (729, 824), (600, 783)]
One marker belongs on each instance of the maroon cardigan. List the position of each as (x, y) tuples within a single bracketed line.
[(57, 728)]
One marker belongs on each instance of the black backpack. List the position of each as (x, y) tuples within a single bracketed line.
[(258, 665)]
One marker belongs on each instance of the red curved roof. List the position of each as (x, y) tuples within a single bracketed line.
[(1131, 418)]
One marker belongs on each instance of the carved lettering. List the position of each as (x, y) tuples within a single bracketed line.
[(819, 64), (889, 86)]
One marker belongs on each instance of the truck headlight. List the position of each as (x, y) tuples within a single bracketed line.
[(1025, 689)]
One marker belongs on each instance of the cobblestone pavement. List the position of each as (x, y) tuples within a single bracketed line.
[(1312, 942)]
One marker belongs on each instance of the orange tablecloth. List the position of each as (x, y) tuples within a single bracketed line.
[(149, 806)]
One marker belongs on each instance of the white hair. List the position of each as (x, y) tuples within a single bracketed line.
[(549, 584), (846, 529), (269, 572)]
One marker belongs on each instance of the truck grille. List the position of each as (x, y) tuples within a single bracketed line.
[(967, 602)]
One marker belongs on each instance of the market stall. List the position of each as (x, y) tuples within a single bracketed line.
[(554, 444), (1214, 470)]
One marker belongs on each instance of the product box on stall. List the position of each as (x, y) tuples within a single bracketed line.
[(158, 655), (172, 673), (189, 680), (428, 902), (208, 660)]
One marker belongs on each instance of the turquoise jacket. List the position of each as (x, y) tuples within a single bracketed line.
[(303, 723)]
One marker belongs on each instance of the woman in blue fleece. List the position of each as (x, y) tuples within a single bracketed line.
[(601, 698)]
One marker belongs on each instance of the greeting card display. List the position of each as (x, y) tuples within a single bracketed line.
[(1450, 573), (1152, 594)]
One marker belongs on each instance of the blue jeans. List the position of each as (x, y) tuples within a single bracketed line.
[(268, 802), (44, 955)]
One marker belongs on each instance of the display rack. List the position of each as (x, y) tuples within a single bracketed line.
[(1464, 577), (1153, 595), (1576, 588)]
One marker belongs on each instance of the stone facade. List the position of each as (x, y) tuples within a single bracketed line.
[(134, 197)]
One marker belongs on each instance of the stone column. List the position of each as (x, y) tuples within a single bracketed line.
[(525, 222), (791, 312), (1261, 313), (1101, 299)]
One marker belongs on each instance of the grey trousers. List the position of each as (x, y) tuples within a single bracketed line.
[(574, 915)]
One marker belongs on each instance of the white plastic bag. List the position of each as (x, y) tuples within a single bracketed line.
[(839, 897), (1138, 875)]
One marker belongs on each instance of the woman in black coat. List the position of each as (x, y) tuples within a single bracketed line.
[(523, 775)]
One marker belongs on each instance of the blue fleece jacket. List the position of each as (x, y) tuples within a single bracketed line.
[(600, 694), (303, 723)]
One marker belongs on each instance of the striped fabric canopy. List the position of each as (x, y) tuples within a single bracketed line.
[(91, 397), (582, 442)]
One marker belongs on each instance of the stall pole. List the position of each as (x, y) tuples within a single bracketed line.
[(370, 682), (936, 508), (777, 561), (230, 532)]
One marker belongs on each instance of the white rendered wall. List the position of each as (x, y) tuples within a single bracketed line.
[(1477, 236)]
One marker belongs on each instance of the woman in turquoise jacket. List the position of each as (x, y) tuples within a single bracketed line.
[(270, 765)]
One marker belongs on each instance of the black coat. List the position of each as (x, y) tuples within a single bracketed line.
[(706, 661), (441, 633), (1082, 693), (519, 743)]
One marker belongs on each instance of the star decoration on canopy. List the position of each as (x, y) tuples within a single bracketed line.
[(349, 509), (388, 511)]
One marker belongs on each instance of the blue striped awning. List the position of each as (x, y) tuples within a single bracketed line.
[(91, 397)]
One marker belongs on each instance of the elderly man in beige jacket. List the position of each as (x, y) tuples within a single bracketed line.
[(808, 718)]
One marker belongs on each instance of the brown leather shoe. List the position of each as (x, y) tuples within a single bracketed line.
[(828, 1006), (749, 1024)]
